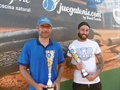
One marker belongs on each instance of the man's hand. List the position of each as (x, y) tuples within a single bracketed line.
[(92, 75), (79, 66), (57, 84), (40, 86)]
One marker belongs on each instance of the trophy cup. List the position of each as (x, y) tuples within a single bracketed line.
[(75, 56), (49, 58)]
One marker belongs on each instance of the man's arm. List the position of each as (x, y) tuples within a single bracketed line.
[(100, 65), (70, 65), (60, 72), (26, 75), (100, 62)]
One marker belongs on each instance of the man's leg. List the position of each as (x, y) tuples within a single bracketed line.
[(96, 86)]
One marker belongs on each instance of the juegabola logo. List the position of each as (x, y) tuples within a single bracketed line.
[(50, 5)]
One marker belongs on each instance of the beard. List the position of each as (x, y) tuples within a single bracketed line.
[(44, 35), (82, 36)]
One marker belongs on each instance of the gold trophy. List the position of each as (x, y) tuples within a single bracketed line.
[(72, 50), (49, 58)]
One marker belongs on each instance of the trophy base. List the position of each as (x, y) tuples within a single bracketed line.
[(84, 73), (50, 88)]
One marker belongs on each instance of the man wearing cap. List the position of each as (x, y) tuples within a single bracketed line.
[(86, 72), (33, 56)]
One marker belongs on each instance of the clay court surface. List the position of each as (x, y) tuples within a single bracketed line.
[(14, 81), (3, 29)]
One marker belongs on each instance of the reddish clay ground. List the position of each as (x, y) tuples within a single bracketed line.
[(5, 29), (15, 81)]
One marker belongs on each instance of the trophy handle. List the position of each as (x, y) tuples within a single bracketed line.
[(49, 83)]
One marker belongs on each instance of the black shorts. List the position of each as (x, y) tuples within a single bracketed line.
[(96, 86)]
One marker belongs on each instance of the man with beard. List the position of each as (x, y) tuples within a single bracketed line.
[(88, 51), (40, 54)]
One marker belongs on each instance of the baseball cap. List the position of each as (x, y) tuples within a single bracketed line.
[(83, 23), (44, 20)]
